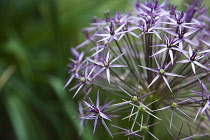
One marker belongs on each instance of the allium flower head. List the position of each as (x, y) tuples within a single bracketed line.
[(154, 61)]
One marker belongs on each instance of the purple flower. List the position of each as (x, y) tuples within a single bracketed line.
[(183, 36), (179, 21), (161, 74), (113, 34), (135, 98), (193, 58), (107, 64), (146, 28), (174, 106), (97, 113), (84, 79), (75, 65), (170, 46)]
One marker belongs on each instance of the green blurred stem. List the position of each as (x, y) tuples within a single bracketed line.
[(152, 121), (6, 75)]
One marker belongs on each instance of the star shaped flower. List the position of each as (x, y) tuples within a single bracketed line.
[(193, 58), (183, 36), (169, 46), (179, 21), (75, 65), (83, 79), (98, 113), (107, 64), (113, 34), (174, 106), (161, 73)]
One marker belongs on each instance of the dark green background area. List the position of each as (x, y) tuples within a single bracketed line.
[(35, 38)]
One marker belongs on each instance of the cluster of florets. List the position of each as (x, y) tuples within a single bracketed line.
[(154, 61)]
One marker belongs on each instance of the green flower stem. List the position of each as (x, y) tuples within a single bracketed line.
[(152, 121)]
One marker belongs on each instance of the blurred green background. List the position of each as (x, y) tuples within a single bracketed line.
[(35, 38)]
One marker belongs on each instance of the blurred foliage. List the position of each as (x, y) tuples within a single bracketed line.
[(35, 37)]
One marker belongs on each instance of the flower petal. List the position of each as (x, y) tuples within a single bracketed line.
[(155, 79), (193, 67), (108, 74), (149, 69), (201, 94), (95, 124), (171, 56), (95, 62), (205, 107), (166, 83), (160, 51), (201, 65), (97, 100), (189, 33), (116, 58), (183, 113), (69, 81), (98, 72), (78, 90), (183, 61), (117, 66), (173, 74), (104, 116), (199, 110), (125, 91), (107, 129), (107, 56), (116, 31)]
